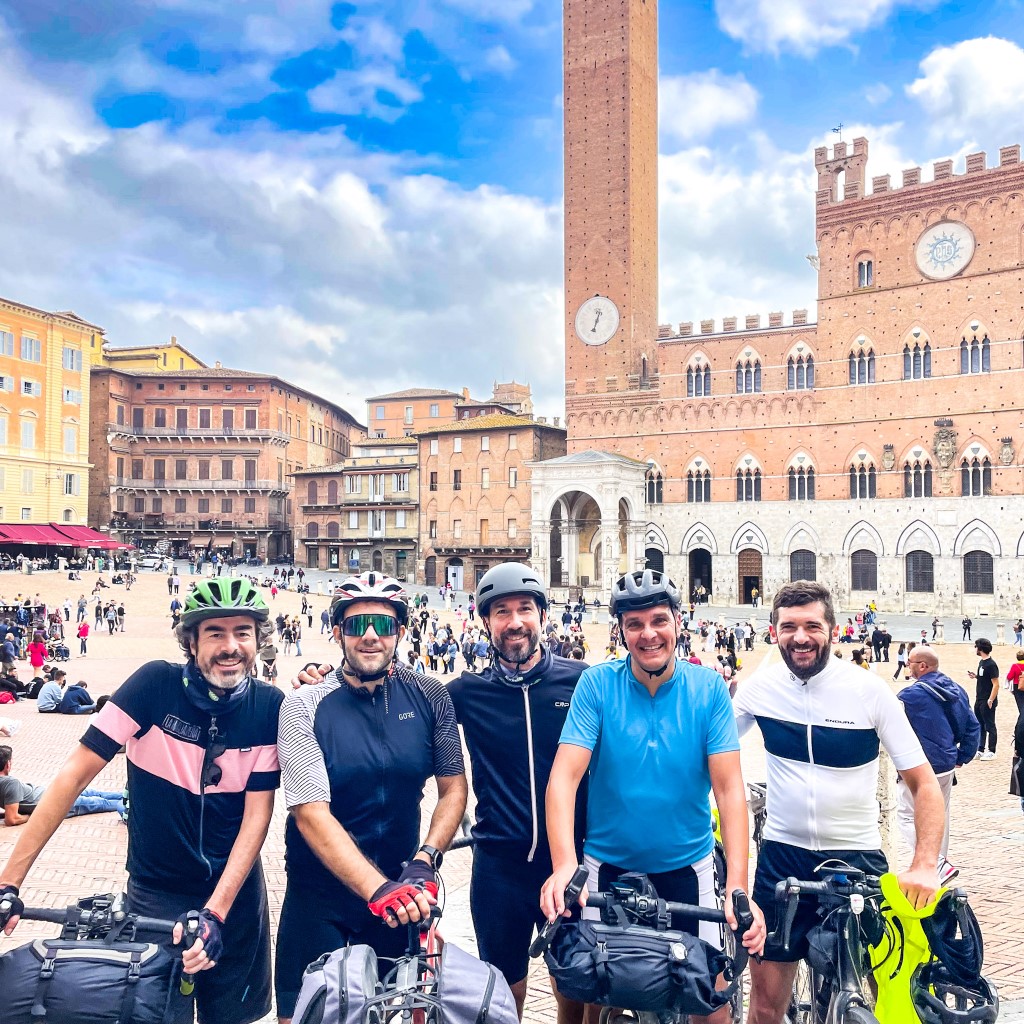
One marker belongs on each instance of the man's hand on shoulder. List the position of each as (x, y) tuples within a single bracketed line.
[(312, 674)]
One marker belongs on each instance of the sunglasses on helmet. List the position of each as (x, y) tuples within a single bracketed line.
[(357, 625)]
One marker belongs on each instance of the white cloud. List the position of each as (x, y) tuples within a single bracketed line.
[(491, 10), (877, 94), (497, 58), (691, 107), (377, 90), (972, 90), (804, 26)]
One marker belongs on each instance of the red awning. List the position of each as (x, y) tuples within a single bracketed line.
[(84, 536), (22, 533)]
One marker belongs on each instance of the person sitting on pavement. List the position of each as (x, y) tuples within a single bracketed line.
[(51, 694), (19, 799), (77, 700), (939, 711)]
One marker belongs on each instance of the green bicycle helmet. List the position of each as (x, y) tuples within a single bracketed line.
[(219, 597)]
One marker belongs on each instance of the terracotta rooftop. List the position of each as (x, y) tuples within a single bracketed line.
[(419, 393), (494, 421)]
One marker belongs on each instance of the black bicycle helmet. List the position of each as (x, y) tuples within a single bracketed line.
[(645, 588), (370, 586), (507, 580), (941, 999), (223, 596)]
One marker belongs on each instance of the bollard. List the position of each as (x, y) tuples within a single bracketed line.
[(886, 796), (1000, 633), (940, 634)]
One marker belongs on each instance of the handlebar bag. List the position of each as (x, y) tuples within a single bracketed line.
[(63, 981), (637, 968), (337, 987), (470, 991)]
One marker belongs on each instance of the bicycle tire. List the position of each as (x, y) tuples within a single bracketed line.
[(859, 1015), (802, 1004)]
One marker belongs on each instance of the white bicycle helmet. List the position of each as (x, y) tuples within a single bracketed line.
[(370, 586)]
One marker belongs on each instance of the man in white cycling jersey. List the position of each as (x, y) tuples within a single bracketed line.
[(823, 720)]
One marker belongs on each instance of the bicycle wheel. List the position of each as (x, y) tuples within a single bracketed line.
[(802, 1002)]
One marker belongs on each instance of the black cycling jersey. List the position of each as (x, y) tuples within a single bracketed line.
[(368, 756), (181, 830), (512, 732)]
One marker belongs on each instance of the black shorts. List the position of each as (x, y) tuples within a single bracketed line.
[(307, 930), (504, 900), (237, 990), (778, 861)]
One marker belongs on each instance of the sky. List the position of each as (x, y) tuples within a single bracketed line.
[(364, 197)]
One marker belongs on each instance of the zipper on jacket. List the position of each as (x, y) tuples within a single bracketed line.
[(812, 821), (212, 733), (533, 775)]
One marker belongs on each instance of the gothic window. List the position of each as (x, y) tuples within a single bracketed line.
[(800, 373), (748, 485), (863, 481), (978, 575), (803, 565), (801, 487), (698, 381), (748, 377), (917, 361), (975, 356), (865, 273), (920, 572), (917, 479), (655, 487), (863, 570), (862, 366), (698, 486), (975, 477)]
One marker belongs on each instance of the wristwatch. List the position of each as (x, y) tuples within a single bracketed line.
[(435, 855)]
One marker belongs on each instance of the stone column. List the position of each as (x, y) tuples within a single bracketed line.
[(570, 553)]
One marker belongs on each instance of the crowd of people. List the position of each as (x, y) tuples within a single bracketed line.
[(571, 764)]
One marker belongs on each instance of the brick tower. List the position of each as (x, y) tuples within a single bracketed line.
[(611, 203)]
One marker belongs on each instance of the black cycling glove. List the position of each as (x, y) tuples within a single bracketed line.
[(10, 904), (206, 925), (418, 872)]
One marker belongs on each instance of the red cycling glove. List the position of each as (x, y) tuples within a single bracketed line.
[(391, 895)]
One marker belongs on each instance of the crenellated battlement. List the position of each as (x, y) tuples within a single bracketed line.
[(846, 167), (731, 325)]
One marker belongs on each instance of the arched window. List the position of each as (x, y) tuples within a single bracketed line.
[(863, 481), (748, 485), (907, 371), (863, 570), (975, 356), (865, 273), (698, 486), (862, 366), (803, 565), (975, 477), (311, 493), (655, 487), (312, 530), (748, 377), (917, 479), (978, 575), (801, 485), (333, 530), (927, 359), (698, 380), (332, 492), (920, 572), (800, 373)]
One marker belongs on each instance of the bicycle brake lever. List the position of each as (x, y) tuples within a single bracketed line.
[(792, 901), (572, 894)]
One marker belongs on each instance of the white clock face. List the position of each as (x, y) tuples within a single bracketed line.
[(944, 250), (597, 320)]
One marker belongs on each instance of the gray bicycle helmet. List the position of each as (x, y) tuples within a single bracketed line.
[(223, 596), (645, 588), (506, 580), (939, 998)]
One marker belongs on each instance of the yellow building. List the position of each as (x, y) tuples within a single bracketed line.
[(44, 414), (170, 357)]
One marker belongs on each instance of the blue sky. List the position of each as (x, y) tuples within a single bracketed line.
[(301, 186)]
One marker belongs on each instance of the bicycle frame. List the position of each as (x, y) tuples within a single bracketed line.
[(847, 988)]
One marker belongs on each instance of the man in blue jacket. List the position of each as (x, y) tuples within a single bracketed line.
[(940, 713)]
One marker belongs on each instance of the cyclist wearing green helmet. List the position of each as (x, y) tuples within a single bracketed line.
[(201, 744)]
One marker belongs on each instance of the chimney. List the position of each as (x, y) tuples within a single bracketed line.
[(174, 340), (217, 365), (465, 394)]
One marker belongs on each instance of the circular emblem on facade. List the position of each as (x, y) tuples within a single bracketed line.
[(944, 250), (597, 320)]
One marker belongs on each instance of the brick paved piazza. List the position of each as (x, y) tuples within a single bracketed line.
[(87, 855)]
